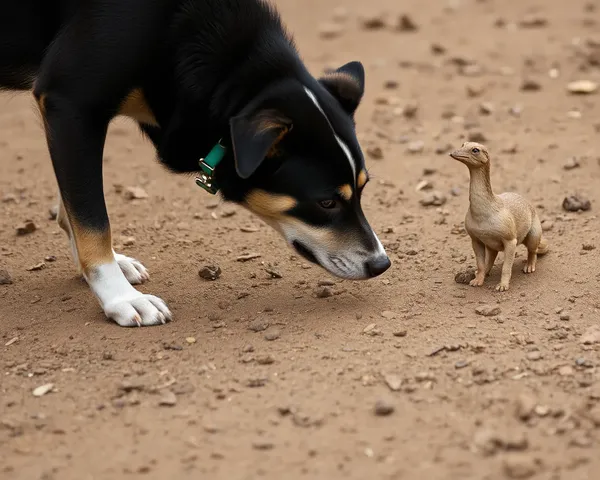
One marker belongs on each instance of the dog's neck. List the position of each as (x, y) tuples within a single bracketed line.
[(224, 72)]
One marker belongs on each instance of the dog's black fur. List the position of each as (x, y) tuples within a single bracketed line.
[(205, 70)]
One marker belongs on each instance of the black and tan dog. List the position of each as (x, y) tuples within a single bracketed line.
[(201, 77)]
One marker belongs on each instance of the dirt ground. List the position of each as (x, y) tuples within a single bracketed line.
[(273, 378)]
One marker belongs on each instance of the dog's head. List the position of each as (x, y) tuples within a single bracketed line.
[(300, 168)]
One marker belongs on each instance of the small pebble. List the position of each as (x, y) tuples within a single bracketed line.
[(383, 408), (436, 199), (525, 406), (591, 335), (265, 359), (135, 193), (488, 310), (167, 399), (406, 24), (373, 22), (36, 267), (529, 85), (43, 390), (330, 30), (416, 146), (571, 164), (582, 87), (272, 335), (464, 278), (27, 228), (576, 203), (519, 465), (323, 292), (5, 278), (394, 382), (258, 326), (375, 152), (210, 272), (477, 136), (534, 356)]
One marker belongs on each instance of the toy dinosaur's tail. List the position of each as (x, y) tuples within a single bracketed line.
[(542, 247)]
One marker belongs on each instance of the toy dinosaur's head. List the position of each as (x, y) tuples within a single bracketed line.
[(473, 155)]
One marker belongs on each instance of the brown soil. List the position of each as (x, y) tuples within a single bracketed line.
[(467, 396)]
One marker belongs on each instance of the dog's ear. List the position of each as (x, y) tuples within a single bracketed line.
[(347, 85), (254, 137)]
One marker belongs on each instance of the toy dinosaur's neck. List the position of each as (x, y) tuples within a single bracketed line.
[(480, 188)]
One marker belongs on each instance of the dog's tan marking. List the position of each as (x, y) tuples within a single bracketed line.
[(94, 247), (362, 179), (274, 150), (42, 104), (346, 192), (135, 106), (269, 205)]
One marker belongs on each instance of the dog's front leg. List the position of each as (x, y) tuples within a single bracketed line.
[(76, 141)]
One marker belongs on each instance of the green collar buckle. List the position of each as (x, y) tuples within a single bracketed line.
[(207, 166)]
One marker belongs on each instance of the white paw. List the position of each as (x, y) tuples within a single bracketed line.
[(134, 271), (138, 310)]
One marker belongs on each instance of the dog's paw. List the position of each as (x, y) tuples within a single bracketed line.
[(134, 271), (138, 310)]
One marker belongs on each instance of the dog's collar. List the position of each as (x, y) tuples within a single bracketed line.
[(207, 166)]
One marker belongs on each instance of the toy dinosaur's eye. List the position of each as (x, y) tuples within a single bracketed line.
[(475, 150)]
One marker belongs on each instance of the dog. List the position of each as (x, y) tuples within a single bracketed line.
[(217, 80)]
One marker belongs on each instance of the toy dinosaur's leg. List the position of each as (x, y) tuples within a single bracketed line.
[(532, 242), (479, 249), (510, 248), (490, 258)]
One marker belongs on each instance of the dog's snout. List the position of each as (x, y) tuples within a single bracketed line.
[(376, 266)]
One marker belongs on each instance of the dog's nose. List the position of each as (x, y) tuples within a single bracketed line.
[(378, 265)]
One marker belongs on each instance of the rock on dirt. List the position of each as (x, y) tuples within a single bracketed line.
[(520, 465), (591, 335), (5, 278), (37, 267), (258, 326), (27, 228), (248, 256), (167, 399), (525, 406), (135, 193), (272, 335), (375, 152), (323, 292), (576, 203), (383, 408), (394, 382), (582, 87), (488, 310), (43, 390), (465, 277), (210, 272), (372, 22), (330, 30), (433, 199), (406, 24)]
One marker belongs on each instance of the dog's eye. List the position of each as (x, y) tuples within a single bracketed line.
[(328, 204), (475, 150)]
